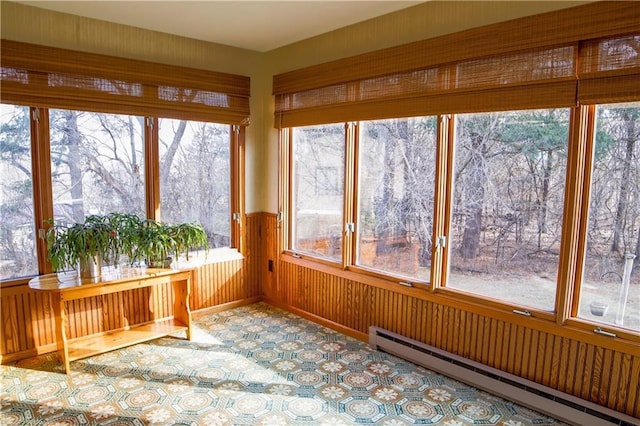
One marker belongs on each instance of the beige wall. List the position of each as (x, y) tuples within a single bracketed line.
[(430, 19)]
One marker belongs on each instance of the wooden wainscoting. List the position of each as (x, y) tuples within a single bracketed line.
[(27, 327), (571, 361)]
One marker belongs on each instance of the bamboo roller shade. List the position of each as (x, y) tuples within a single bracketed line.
[(51, 77), (584, 54)]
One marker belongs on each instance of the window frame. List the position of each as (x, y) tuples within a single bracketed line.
[(421, 78), (580, 152), (43, 194)]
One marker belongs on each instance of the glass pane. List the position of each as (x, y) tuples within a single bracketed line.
[(195, 173), (509, 180), (396, 189), (18, 256), (318, 190), (97, 164), (610, 290)]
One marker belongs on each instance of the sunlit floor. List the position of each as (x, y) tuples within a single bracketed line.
[(253, 365)]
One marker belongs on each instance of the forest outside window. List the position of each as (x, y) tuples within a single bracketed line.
[(318, 190), (395, 194), (97, 164), (610, 288), (509, 180), (17, 228), (195, 161)]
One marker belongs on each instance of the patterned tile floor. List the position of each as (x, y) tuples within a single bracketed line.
[(253, 365)]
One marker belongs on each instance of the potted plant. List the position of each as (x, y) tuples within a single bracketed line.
[(188, 235), (157, 242), (83, 245), (104, 239), (154, 244)]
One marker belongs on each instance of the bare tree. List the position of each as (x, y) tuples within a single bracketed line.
[(629, 137)]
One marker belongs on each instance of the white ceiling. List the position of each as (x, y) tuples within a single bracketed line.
[(253, 25)]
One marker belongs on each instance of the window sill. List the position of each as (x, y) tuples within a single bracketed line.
[(205, 257)]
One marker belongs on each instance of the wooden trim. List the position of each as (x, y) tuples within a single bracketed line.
[(152, 168), (226, 306), (320, 320), (349, 211), (42, 188), (238, 227), (28, 353), (442, 194), (284, 197), (586, 148), (573, 214)]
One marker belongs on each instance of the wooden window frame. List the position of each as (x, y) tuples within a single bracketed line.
[(318, 94), (43, 188)]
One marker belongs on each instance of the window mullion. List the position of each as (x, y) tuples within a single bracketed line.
[(350, 179), (152, 167), (42, 190), (442, 199), (579, 161), (284, 190), (237, 195)]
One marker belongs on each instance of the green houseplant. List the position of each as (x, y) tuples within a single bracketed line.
[(105, 238), (157, 242), (87, 244)]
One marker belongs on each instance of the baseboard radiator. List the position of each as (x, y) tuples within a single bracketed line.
[(556, 404)]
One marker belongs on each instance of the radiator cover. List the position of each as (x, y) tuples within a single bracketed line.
[(535, 396)]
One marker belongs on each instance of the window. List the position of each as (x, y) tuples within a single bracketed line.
[(507, 205), (395, 194), (195, 161), (318, 198), (610, 288), (17, 229), (97, 164), (488, 192), (96, 149)]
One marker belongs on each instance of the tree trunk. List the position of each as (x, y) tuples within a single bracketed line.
[(544, 198), (383, 209), (621, 209), (474, 187), (74, 162), (167, 159)]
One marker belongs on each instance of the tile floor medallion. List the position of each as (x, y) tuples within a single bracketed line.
[(253, 365)]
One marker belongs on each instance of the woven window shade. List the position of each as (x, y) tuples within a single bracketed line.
[(514, 65), (503, 82), (50, 77), (610, 70)]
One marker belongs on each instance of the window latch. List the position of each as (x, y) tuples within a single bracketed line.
[(441, 242), (350, 227), (236, 217)]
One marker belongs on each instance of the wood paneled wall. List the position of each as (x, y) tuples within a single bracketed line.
[(27, 326), (604, 374), (543, 353)]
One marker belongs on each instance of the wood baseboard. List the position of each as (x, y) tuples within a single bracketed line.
[(226, 306), (322, 321)]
